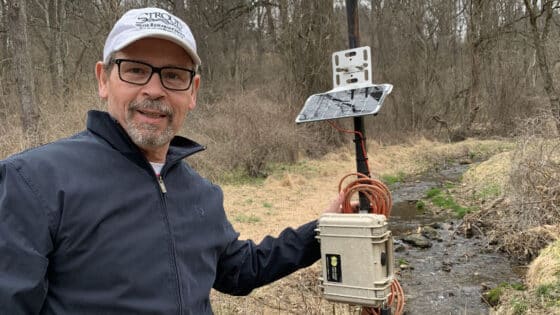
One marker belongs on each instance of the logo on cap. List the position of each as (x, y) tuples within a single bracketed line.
[(160, 21)]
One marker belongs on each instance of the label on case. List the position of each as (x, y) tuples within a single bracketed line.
[(334, 269)]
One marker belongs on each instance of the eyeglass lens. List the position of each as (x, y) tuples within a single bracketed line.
[(140, 73)]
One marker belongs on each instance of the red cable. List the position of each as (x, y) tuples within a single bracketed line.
[(362, 141)]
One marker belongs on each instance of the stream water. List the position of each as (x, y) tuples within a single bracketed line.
[(448, 277)]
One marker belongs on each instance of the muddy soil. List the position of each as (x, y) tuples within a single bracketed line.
[(450, 276)]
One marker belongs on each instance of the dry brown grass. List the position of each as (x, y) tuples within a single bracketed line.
[(297, 294), (493, 172), (543, 281), (58, 119), (529, 180), (244, 132), (545, 269)]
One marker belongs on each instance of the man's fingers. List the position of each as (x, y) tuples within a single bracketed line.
[(335, 205)]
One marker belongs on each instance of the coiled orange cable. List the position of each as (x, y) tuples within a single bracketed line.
[(380, 201), (377, 193)]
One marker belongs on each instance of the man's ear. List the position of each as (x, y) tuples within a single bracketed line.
[(102, 80), (194, 91)]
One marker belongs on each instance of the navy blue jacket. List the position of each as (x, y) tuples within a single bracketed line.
[(86, 227)]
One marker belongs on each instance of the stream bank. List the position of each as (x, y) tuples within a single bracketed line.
[(450, 275)]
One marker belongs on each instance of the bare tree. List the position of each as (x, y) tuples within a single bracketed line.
[(179, 8), (4, 58), (22, 69), (3, 32), (308, 42), (271, 28), (51, 33), (475, 41), (537, 11)]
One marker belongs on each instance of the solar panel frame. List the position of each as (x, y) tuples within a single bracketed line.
[(343, 103)]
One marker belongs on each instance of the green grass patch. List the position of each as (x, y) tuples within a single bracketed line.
[(390, 179), (448, 185), (494, 295), (432, 192), (445, 200), (549, 293), (420, 205), (519, 306), (518, 286), (267, 205), (243, 218)]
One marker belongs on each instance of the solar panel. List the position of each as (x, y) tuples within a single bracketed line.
[(344, 103), (353, 95)]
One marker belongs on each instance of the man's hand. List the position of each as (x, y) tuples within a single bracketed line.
[(336, 205)]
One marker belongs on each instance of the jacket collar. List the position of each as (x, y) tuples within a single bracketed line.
[(109, 129)]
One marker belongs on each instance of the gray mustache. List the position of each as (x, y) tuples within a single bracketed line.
[(152, 105)]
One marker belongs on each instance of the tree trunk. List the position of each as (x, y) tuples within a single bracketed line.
[(5, 55), (270, 25), (179, 9), (3, 36), (55, 20), (552, 109), (259, 36), (22, 68), (60, 42), (472, 103), (283, 8)]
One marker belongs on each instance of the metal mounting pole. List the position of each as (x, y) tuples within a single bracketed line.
[(361, 158)]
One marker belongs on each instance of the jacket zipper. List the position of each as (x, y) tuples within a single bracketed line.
[(162, 184), (163, 191)]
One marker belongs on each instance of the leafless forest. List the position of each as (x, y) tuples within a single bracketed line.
[(459, 67)]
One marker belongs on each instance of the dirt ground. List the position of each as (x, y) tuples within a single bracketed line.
[(294, 195)]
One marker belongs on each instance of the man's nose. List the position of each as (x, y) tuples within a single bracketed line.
[(153, 87)]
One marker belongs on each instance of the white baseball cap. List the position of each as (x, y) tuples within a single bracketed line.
[(149, 22)]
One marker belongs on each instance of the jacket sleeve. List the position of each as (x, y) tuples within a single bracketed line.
[(244, 266), (24, 243)]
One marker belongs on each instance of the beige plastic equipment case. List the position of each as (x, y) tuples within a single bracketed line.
[(356, 258)]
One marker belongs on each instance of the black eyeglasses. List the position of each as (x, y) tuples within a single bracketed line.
[(140, 73)]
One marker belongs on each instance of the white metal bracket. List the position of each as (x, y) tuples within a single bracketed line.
[(352, 68)]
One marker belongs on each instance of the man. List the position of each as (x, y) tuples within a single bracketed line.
[(111, 220)]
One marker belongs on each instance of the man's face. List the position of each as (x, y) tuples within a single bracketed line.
[(150, 113)]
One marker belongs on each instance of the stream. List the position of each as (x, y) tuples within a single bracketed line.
[(450, 276)]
